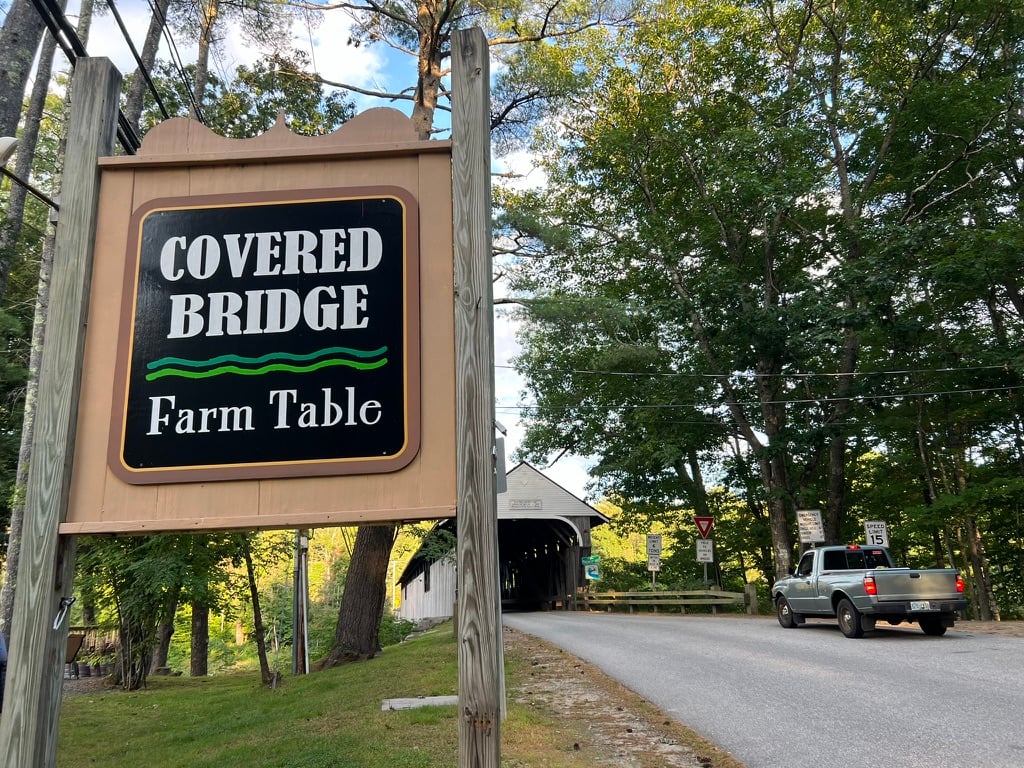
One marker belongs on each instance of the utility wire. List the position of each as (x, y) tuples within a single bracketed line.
[(67, 38), (176, 60), (138, 58), (754, 375), (758, 403)]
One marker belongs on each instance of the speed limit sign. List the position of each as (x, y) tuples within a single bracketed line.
[(876, 533)]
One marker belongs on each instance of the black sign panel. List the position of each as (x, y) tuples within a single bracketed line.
[(271, 337)]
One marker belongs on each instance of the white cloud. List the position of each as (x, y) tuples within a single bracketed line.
[(363, 66), (521, 171)]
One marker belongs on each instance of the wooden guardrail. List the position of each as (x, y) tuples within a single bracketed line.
[(655, 600)]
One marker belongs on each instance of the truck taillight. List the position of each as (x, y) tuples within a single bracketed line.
[(959, 583), (869, 585)]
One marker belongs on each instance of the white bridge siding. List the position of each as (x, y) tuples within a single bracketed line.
[(561, 520), (437, 602)]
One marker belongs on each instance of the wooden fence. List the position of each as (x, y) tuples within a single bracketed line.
[(590, 601)]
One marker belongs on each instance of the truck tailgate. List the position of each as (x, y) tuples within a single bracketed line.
[(908, 584)]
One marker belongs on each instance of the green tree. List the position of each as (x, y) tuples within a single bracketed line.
[(730, 193), (422, 29), (250, 103)]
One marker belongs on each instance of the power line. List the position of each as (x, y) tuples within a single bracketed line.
[(175, 57), (138, 59), (755, 375), (827, 400), (67, 38)]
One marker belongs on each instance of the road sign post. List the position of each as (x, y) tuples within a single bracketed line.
[(654, 556), (705, 554)]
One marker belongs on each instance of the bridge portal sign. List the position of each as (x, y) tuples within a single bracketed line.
[(271, 335)]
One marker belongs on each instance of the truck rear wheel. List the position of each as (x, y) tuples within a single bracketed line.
[(785, 614), (932, 625), (849, 619)]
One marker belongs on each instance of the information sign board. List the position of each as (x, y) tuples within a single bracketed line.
[(705, 551), (810, 527)]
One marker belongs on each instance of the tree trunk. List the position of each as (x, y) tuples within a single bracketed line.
[(940, 558), (26, 151), (164, 631), (19, 39), (988, 609), (137, 86), (27, 431), (133, 652), (835, 504), (774, 475), (209, 10), (362, 602), (266, 675), (199, 663), (432, 17), (971, 587)]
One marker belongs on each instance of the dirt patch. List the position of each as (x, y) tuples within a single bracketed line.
[(609, 723), (1007, 628), (86, 686)]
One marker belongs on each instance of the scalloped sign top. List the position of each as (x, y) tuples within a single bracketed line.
[(381, 125)]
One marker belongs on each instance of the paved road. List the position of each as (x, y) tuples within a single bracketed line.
[(804, 697)]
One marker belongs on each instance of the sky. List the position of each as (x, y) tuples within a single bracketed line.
[(373, 67)]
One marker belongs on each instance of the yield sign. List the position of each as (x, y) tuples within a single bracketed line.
[(704, 525)]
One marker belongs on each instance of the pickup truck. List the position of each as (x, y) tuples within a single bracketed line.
[(859, 585)]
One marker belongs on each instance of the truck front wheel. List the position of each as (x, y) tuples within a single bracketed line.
[(787, 618), (849, 619)]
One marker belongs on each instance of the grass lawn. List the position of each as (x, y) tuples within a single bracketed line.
[(330, 719)]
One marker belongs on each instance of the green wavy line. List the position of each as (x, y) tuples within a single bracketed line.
[(265, 358), (276, 367)]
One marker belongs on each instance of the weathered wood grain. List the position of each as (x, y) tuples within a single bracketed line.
[(480, 663), (28, 728)]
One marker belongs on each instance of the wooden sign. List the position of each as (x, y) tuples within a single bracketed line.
[(271, 334)]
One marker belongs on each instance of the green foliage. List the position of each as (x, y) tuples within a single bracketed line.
[(13, 376), (394, 631), (250, 103), (771, 242)]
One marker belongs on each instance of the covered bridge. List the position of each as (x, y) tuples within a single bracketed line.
[(543, 532)]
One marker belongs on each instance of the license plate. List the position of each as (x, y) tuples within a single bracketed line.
[(920, 605)]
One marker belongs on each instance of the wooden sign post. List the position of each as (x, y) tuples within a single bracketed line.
[(479, 606), (28, 728)]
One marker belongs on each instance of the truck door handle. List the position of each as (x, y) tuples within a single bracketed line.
[(915, 575)]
